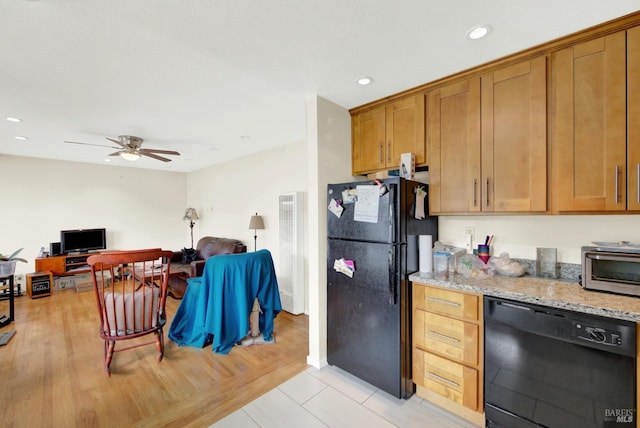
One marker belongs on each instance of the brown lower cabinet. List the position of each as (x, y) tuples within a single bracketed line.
[(448, 350)]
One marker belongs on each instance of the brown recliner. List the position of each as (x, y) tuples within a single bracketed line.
[(210, 246), (207, 246)]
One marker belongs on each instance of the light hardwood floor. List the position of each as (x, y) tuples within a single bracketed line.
[(51, 372)]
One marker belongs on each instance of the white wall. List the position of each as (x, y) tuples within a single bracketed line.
[(139, 208), (329, 141), (227, 195), (520, 235)]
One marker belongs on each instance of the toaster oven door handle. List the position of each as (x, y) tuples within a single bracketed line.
[(610, 257)]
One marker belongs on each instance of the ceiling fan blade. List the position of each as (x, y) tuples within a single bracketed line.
[(151, 155), (164, 152), (115, 153), (89, 144), (116, 141)]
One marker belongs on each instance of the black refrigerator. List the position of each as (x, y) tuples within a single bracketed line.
[(369, 307)]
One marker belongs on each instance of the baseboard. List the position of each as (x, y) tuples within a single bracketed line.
[(316, 363)]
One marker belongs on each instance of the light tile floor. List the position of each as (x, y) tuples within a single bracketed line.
[(330, 397)]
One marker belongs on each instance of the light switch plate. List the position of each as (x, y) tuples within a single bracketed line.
[(469, 231)]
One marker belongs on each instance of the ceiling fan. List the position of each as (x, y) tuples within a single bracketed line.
[(129, 148)]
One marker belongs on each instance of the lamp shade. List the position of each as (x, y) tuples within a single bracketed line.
[(256, 222), (190, 214)]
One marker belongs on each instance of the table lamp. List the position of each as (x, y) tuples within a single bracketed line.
[(191, 215), (255, 224)]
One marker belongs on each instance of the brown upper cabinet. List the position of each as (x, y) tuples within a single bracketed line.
[(487, 142), (590, 159), (453, 141), (382, 134), (633, 119)]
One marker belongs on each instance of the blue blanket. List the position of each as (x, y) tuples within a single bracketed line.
[(216, 306)]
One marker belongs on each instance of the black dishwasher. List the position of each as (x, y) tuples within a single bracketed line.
[(548, 367)]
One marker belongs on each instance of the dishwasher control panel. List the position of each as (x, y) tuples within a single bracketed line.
[(597, 334)]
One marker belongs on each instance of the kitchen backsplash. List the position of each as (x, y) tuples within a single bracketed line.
[(566, 271)]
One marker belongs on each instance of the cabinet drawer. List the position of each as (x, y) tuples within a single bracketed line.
[(452, 338), (446, 302), (446, 378)]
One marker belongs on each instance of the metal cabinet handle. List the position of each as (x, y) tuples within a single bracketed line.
[(443, 379), (617, 172), (487, 190), (388, 151), (443, 336), (446, 302), (380, 152), (473, 189)]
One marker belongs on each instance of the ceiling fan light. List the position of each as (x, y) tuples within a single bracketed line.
[(130, 156)]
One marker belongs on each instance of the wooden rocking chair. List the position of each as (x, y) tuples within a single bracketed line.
[(131, 292)]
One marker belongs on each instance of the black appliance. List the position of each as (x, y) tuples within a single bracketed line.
[(83, 240), (612, 267), (369, 314), (55, 249), (548, 367)]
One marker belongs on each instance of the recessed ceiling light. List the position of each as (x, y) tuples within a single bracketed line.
[(20, 137), (14, 119), (245, 137), (478, 32), (365, 81)]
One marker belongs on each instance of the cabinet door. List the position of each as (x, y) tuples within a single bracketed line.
[(453, 143), (590, 134), (633, 119), (55, 265), (405, 130), (368, 141), (514, 138)]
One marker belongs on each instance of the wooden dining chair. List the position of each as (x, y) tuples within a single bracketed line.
[(131, 292)]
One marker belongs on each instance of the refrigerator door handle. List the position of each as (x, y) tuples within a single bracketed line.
[(392, 212), (393, 276)]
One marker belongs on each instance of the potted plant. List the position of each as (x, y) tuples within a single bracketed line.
[(8, 263)]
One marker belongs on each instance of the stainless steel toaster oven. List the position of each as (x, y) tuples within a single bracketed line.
[(612, 267)]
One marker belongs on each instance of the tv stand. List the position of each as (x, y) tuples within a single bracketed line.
[(68, 264)]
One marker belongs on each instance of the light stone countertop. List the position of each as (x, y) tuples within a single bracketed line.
[(540, 291)]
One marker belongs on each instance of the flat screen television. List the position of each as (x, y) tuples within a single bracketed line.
[(82, 240)]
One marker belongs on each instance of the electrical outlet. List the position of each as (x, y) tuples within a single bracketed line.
[(469, 231)]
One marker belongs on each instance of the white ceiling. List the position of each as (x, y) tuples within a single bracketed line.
[(219, 79)]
